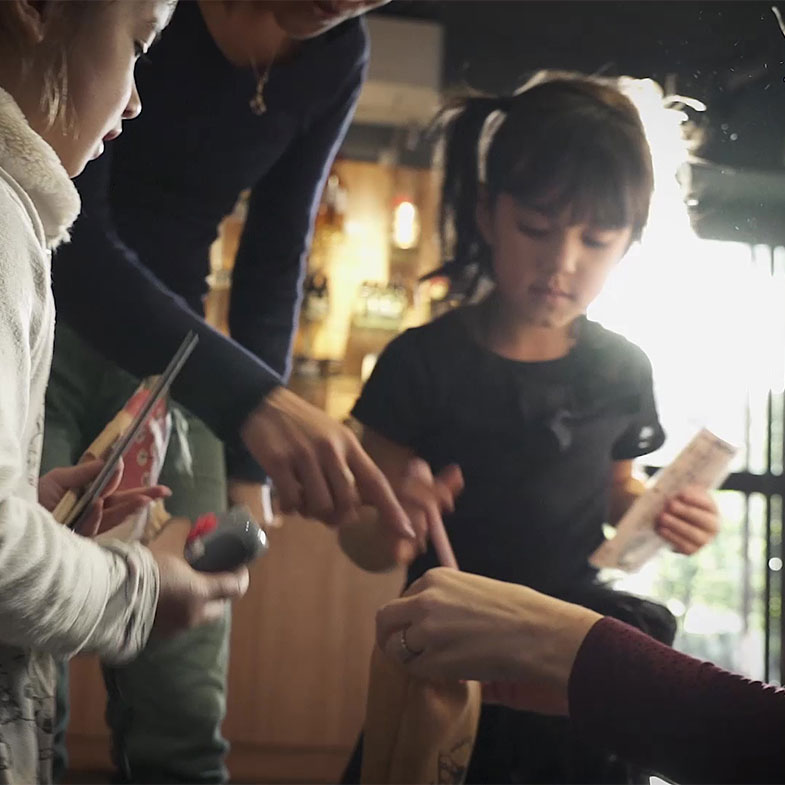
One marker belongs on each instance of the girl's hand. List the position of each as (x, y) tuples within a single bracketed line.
[(454, 625), (689, 521), (425, 499), (186, 597), (111, 509)]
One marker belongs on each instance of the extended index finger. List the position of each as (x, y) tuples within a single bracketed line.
[(374, 489)]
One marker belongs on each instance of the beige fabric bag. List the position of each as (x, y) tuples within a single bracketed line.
[(417, 732)]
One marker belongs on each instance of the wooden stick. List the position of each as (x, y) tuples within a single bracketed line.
[(442, 546), (100, 446)]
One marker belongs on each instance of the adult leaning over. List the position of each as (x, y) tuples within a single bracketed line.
[(238, 95)]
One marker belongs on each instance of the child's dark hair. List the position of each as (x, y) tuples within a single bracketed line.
[(566, 141)]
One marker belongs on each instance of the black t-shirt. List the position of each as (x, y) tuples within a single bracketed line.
[(535, 442)]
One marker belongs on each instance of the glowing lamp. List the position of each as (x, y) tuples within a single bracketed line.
[(405, 225)]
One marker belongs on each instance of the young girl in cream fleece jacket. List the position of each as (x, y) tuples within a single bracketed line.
[(66, 84)]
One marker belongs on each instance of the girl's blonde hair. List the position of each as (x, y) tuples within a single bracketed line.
[(62, 19)]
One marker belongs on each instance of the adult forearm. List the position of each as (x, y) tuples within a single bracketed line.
[(686, 719)]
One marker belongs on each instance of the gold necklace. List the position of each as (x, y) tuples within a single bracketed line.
[(257, 102)]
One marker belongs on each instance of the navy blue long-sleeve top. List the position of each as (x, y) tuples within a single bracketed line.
[(133, 278)]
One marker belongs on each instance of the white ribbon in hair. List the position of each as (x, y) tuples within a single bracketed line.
[(489, 128)]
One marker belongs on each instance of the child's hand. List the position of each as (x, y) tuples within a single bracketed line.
[(186, 597), (425, 499), (689, 521), (111, 509)]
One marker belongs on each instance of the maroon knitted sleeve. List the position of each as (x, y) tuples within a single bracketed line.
[(685, 719)]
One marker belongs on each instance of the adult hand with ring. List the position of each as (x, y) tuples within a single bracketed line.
[(451, 625), (406, 653)]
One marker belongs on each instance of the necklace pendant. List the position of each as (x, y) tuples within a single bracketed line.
[(257, 104)]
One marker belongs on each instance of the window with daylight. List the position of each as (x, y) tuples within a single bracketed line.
[(710, 316)]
